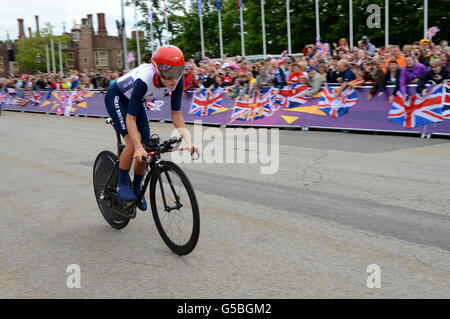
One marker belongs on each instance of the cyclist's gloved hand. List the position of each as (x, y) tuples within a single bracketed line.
[(139, 152), (193, 148)]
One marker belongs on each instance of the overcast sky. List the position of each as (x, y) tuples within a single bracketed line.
[(59, 11)]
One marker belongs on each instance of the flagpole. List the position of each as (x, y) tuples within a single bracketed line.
[(150, 21), (60, 59), (138, 44), (220, 31), (166, 18), (242, 30), (48, 59), (124, 39), (263, 28), (201, 36), (288, 26), (52, 46), (386, 23), (351, 25), (151, 37), (317, 19), (425, 19)]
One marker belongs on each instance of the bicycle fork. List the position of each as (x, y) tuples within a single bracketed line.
[(177, 205)]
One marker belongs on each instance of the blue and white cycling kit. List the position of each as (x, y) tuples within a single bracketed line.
[(129, 93)]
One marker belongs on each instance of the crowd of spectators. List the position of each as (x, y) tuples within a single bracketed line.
[(418, 63), (72, 80)]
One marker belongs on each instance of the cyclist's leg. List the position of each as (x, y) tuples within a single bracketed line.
[(117, 109), (139, 168)]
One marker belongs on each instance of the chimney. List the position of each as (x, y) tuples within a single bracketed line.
[(90, 21), (37, 26), (21, 30), (84, 21), (101, 24), (29, 32)]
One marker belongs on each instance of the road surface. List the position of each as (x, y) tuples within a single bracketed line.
[(338, 203)]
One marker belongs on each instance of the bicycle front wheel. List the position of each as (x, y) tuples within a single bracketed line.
[(174, 208)]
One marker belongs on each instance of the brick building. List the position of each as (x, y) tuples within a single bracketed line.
[(88, 49)]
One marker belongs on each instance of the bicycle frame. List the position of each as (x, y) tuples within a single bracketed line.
[(152, 164)]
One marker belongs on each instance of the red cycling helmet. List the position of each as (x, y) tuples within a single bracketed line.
[(168, 61)]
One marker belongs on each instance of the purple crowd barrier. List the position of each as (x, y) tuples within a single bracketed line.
[(364, 115)]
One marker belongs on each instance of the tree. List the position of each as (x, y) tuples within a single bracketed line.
[(28, 49), (406, 23)]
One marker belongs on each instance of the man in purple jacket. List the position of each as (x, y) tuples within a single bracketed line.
[(410, 74)]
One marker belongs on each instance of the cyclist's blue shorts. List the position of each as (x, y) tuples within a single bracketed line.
[(117, 107)]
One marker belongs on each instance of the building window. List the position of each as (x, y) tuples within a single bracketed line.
[(2, 66), (85, 61), (15, 67), (70, 62), (101, 59), (119, 63)]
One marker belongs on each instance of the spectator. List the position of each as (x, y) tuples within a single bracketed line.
[(323, 70), (445, 58), (375, 74), (210, 81), (263, 80), (425, 52), (410, 74), (294, 76), (392, 77), (346, 75), (333, 72), (397, 55), (342, 46), (189, 81), (367, 45), (279, 77), (315, 81), (437, 74)]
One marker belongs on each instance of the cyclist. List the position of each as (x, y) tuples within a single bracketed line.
[(125, 103)]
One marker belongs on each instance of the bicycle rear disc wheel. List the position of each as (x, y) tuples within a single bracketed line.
[(103, 166), (180, 227)]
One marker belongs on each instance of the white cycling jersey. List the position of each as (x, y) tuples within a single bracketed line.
[(147, 73)]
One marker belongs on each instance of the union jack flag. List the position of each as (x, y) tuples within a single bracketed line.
[(11, 91), (446, 104), (416, 110), (282, 58), (337, 106), (291, 95), (130, 57), (36, 97), (24, 101), (204, 103), (153, 105), (431, 32), (323, 48), (255, 108)]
